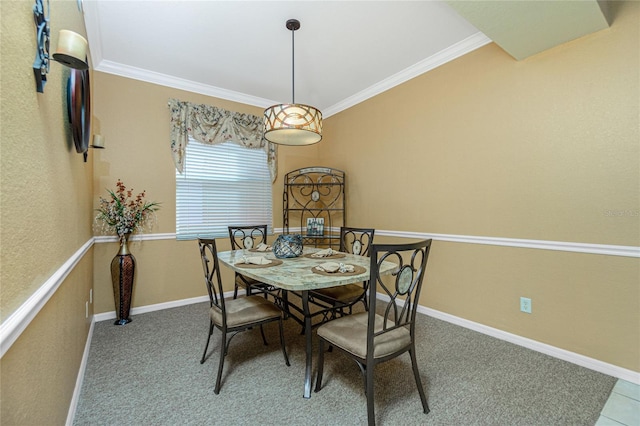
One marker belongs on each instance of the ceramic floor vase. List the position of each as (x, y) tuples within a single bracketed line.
[(123, 267)]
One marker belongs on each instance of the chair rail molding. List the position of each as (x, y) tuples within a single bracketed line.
[(17, 322), (136, 237), (602, 249)]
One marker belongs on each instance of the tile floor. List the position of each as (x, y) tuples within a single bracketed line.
[(622, 407)]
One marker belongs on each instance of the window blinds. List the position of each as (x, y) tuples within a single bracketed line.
[(223, 184)]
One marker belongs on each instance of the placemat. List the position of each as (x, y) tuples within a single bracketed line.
[(357, 270), (274, 262), (255, 250), (333, 256)]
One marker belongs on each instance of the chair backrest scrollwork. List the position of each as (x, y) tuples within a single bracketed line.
[(356, 240), (211, 269), (247, 237), (402, 288)]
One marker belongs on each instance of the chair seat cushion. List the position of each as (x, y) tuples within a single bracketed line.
[(345, 293), (243, 280), (350, 334), (245, 310)]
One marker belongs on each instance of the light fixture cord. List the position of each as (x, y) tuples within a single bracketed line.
[(293, 66)]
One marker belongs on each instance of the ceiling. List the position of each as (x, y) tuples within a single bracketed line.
[(345, 51)]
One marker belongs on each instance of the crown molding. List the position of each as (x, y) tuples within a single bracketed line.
[(461, 48), (180, 83)]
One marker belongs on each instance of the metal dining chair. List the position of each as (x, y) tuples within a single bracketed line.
[(234, 315), (343, 298), (247, 238), (387, 330)]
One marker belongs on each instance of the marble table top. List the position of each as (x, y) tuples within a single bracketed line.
[(296, 274)]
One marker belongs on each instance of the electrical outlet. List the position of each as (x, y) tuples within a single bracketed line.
[(86, 309), (525, 305)]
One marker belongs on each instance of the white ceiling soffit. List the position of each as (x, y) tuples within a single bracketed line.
[(345, 51), (524, 28)]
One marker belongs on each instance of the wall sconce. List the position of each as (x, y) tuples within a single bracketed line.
[(72, 47), (98, 142)]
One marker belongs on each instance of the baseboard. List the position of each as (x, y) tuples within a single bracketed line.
[(12, 327), (572, 357), (80, 379), (112, 315), (157, 307)]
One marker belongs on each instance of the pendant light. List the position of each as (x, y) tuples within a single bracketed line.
[(293, 124)]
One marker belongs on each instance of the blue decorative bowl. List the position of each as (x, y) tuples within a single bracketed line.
[(287, 246)]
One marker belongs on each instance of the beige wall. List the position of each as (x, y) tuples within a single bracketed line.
[(39, 372), (134, 119), (46, 198), (539, 149), (483, 146), (486, 145)]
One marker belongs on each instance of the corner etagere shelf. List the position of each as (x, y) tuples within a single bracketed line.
[(313, 195)]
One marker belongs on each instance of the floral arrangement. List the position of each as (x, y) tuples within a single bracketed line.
[(123, 214)]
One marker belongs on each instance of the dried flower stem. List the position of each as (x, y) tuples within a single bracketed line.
[(123, 214)]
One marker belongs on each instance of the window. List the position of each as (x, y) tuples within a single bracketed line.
[(221, 185)]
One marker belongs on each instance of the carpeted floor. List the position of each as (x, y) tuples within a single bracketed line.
[(148, 373)]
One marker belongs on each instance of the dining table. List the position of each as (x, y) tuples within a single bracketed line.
[(302, 275)]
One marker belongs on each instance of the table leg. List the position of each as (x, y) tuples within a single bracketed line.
[(285, 303), (309, 344)]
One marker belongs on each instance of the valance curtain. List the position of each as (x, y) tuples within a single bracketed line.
[(211, 125)]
